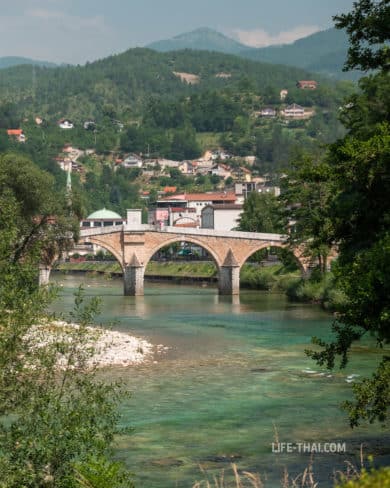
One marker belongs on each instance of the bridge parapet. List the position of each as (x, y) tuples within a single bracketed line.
[(97, 231)]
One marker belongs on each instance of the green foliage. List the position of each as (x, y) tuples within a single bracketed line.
[(262, 213), (41, 220), (367, 26), (375, 478), (307, 195), (54, 411), (360, 215), (98, 472)]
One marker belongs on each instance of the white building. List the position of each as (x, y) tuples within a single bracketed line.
[(65, 124), (268, 112), (132, 161), (190, 205), (221, 216), (294, 111)]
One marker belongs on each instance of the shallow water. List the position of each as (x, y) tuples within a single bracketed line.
[(234, 372)]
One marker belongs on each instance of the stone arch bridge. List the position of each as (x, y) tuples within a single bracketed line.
[(134, 246)]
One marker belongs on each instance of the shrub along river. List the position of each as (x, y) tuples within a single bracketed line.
[(234, 372)]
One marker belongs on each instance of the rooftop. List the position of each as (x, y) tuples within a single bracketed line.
[(104, 214)]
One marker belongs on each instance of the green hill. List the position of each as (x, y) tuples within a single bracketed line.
[(203, 39), (120, 84), (10, 61)]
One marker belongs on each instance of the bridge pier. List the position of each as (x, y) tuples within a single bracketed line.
[(229, 276), (44, 274), (133, 278)]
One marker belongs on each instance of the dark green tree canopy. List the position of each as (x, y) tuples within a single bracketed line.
[(368, 28)]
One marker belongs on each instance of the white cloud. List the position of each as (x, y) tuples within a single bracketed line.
[(262, 38)]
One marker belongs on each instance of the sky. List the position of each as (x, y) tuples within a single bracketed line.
[(76, 31)]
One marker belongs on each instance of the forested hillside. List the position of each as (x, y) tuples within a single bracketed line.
[(122, 83), (139, 102)]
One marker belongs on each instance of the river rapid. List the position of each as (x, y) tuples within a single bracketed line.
[(233, 379)]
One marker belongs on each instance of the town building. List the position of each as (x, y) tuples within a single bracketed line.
[(102, 218), (307, 85), (294, 111), (221, 216), (221, 170), (16, 134), (268, 112), (186, 208), (132, 161), (65, 124)]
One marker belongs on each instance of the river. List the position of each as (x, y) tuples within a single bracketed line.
[(234, 372)]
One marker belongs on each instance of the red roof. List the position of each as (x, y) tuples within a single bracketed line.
[(170, 189), (203, 197), (14, 132)]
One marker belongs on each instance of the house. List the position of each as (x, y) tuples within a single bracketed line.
[(168, 163), (268, 112), (187, 203), (221, 216), (16, 134), (242, 189), (65, 124), (222, 155), (173, 216), (294, 111), (221, 170), (132, 161), (307, 85), (169, 189)]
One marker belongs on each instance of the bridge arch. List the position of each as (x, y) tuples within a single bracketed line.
[(184, 238), (108, 247), (295, 252)]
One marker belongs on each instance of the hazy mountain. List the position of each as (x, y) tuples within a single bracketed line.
[(10, 61), (323, 52), (203, 39)]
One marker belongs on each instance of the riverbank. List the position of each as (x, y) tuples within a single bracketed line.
[(320, 290), (269, 278), (108, 347)]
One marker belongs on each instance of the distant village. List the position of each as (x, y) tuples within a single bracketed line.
[(218, 210)]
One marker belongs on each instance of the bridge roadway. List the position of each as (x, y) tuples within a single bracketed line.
[(134, 246)]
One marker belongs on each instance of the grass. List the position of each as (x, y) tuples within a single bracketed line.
[(208, 140)]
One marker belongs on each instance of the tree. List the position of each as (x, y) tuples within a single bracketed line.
[(368, 28), (360, 215), (307, 194), (57, 417), (262, 213), (42, 222)]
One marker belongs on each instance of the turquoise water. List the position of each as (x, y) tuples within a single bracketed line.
[(234, 372)]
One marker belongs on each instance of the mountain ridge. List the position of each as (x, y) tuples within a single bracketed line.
[(322, 52), (11, 61), (201, 39)]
